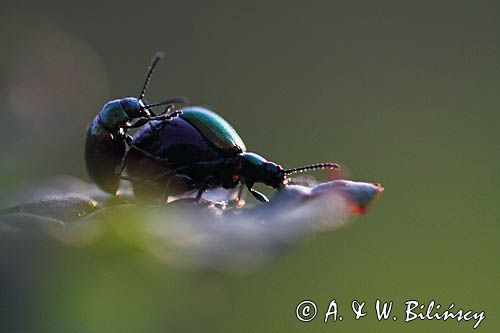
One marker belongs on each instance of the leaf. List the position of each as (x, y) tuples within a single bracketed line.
[(209, 234)]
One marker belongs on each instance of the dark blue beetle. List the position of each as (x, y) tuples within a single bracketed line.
[(177, 151)]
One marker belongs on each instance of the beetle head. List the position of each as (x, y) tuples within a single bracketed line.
[(134, 108)]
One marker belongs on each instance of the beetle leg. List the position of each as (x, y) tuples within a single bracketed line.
[(128, 139), (138, 180), (203, 187), (169, 111), (168, 172), (144, 120), (166, 116), (138, 123), (257, 195), (119, 169), (164, 195), (240, 193)]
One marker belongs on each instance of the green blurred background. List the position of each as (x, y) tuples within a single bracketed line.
[(402, 93)]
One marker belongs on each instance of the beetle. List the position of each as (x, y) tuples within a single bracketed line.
[(105, 145), (182, 150)]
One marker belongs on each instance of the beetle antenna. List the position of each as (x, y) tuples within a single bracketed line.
[(317, 166), (156, 60), (169, 101)]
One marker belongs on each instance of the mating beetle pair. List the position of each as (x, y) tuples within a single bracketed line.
[(176, 151)]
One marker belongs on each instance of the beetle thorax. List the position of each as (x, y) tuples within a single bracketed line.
[(256, 169)]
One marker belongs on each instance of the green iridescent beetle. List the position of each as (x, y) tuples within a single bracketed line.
[(189, 149)]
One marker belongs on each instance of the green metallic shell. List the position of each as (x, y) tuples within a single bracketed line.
[(214, 128), (254, 159)]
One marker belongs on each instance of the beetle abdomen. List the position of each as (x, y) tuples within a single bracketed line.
[(175, 141), (103, 154), (166, 154)]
